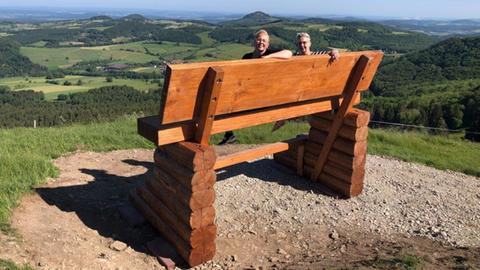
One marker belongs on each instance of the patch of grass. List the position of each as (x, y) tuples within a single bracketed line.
[(26, 154), (441, 152), (9, 265), (407, 262)]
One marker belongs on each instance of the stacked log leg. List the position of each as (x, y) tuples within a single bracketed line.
[(345, 168), (178, 197)]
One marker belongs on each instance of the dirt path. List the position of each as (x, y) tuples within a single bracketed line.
[(266, 217)]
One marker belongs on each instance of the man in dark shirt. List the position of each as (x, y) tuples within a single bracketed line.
[(261, 50)]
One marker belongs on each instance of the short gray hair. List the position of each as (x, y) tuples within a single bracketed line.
[(303, 34), (261, 31)]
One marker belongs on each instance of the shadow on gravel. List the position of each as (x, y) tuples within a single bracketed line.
[(97, 204), (270, 171)]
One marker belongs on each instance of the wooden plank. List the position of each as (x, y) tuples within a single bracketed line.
[(191, 256), (293, 80), (340, 159), (192, 155), (354, 118), (347, 132), (180, 206), (150, 127), (347, 147), (351, 90), (208, 106), (190, 180), (344, 188), (261, 151), (195, 237), (194, 199)]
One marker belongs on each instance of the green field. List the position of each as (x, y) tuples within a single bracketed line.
[(134, 52), (54, 58), (51, 91)]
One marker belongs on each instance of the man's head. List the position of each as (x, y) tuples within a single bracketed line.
[(303, 43), (262, 41)]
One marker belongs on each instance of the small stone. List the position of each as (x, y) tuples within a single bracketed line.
[(281, 251), (343, 249), (118, 246), (233, 258), (333, 235), (273, 259)]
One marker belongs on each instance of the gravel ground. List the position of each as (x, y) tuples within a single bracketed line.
[(267, 217), (399, 197)]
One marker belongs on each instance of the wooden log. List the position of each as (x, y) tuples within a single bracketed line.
[(349, 176), (195, 237), (316, 137), (300, 157), (347, 132), (286, 160), (339, 159), (191, 256), (192, 155), (187, 178), (209, 251), (263, 150), (194, 199), (344, 188), (354, 118), (179, 206)]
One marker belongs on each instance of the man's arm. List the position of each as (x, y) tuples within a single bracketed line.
[(283, 54)]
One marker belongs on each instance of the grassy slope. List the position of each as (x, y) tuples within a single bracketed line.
[(26, 154), (51, 91)]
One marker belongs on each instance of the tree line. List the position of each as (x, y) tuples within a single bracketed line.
[(21, 108)]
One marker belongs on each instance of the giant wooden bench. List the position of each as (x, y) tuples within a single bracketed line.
[(201, 99)]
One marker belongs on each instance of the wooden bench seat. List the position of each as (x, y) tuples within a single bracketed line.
[(201, 99)]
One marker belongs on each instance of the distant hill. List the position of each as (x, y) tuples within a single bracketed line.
[(254, 18), (451, 59), (134, 17), (12, 63)]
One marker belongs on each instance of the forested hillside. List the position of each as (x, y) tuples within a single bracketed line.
[(436, 87), (12, 63), (21, 108), (452, 59)]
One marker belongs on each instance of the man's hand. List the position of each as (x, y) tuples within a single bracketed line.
[(334, 55)]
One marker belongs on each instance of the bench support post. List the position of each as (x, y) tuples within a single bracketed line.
[(350, 93), (178, 199), (208, 105)]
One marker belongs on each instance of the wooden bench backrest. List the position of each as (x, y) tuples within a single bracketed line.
[(260, 83)]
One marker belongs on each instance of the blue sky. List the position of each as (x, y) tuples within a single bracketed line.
[(384, 8)]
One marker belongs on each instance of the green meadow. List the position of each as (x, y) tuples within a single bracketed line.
[(135, 52), (51, 91)]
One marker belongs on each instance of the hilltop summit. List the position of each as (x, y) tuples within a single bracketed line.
[(134, 17), (258, 15), (254, 18)]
